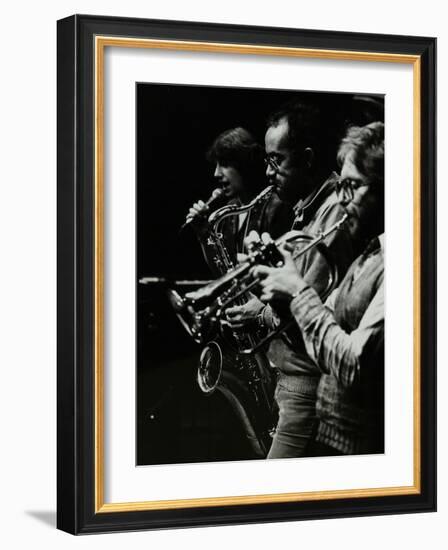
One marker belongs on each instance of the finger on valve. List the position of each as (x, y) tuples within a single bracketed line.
[(252, 239), (261, 271)]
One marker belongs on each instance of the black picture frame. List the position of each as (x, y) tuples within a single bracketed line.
[(78, 500)]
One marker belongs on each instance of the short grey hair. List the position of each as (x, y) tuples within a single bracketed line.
[(365, 144)]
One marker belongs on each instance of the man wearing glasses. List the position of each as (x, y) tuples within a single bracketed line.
[(345, 337), (298, 156), (295, 163)]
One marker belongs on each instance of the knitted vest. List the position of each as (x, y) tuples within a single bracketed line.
[(352, 419)]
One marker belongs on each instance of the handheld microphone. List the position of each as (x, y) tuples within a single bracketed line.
[(217, 193)]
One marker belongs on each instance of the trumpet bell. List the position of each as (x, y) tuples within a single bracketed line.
[(198, 325)]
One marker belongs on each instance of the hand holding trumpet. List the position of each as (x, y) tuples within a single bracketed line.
[(278, 284), (242, 316)]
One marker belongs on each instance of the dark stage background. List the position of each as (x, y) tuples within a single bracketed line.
[(176, 423)]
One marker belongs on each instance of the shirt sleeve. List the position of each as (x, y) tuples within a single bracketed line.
[(346, 356)]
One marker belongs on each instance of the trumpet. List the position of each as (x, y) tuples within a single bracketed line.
[(202, 311)]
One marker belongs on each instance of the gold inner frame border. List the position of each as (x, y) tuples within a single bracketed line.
[(101, 42)]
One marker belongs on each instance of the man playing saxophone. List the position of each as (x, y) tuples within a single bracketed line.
[(293, 146)]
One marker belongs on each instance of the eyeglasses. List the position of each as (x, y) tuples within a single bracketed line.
[(272, 162), (346, 188)]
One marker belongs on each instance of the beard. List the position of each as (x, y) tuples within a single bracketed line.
[(365, 221)]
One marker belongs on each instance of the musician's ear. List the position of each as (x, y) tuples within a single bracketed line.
[(308, 155)]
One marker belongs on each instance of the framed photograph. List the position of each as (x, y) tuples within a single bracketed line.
[(246, 274)]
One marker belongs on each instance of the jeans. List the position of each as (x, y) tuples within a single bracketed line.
[(297, 422), (316, 448)]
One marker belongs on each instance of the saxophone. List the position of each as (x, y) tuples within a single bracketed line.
[(233, 361), (246, 381)]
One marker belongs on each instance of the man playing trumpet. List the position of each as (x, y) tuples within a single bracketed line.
[(344, 337), (297, 159)]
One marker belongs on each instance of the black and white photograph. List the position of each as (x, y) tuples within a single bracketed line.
[(223, 292), (260, 265)]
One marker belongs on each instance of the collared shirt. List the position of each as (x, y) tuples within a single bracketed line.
[(305, 209), (319, 212)]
